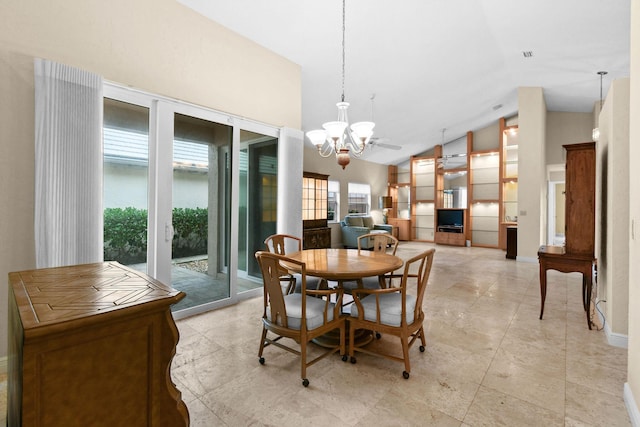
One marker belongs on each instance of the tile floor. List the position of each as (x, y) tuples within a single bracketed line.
[(489, 360)]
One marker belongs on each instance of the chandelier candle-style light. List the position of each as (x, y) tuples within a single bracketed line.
[(338, 137)]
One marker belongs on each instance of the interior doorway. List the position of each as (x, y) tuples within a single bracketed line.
[(555, 205)]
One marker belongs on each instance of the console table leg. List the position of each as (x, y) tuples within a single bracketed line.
[(543, 288), (588, 298), (585, 299)]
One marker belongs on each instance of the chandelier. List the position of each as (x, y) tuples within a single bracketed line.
[(337, 136)]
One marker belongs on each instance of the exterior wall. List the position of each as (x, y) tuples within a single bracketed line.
[(125, 186), (191, 189), (358, 171), (158, 46), (532, 187)]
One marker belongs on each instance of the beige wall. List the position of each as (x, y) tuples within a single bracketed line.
[(487, 138), (161, 47), (358, 171), (612, 208), (565, 128), (158, 46), (532, 186), (633, 370), (17, 251)]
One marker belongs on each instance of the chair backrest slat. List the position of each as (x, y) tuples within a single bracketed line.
[(424, 262), (273, 296), (279, 243), (381, 241)]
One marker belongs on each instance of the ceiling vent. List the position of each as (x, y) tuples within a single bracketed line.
[(527, 53)]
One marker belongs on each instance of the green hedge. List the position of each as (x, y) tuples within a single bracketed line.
[(125, 234)]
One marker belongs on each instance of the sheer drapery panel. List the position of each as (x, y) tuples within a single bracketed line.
[(68, 165)]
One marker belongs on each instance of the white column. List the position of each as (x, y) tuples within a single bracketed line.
[(290, 162)]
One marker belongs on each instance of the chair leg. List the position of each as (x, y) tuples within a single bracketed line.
[(352, 331), (405, 356), (292, 285), (264, 337), (422, 337), (303, 360)]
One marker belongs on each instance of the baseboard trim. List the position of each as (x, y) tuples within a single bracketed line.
[(3, 365), (632, 408), (614, 339), (526, 259)]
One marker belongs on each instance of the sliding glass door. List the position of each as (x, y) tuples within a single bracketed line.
[(200, 200), (258, 195), (126, 183), (192, 194)]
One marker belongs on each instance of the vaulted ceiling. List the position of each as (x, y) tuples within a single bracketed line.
[(420, 66)]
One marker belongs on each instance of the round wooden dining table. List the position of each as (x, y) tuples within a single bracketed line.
[(341, 265), (345, 264)]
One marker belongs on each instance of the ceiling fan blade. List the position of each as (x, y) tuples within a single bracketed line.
[(389, 146)]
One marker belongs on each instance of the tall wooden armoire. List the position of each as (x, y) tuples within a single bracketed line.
[(578, 254), (580, 195)]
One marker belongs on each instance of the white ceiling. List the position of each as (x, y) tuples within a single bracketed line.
[(436, 64)]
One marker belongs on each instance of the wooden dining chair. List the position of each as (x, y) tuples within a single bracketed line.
[(394, 311), (379, 242), (301, 317), (278, 244), (382, 243), (282, 244)]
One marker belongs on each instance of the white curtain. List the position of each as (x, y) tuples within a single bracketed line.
[(68, 165)]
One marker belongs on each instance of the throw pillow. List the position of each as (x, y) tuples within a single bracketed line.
[(367, 221), (353, 221)]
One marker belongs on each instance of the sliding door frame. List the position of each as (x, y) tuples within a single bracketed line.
[(162, 111)]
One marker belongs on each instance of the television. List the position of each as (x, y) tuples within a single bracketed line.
[(450, 218)]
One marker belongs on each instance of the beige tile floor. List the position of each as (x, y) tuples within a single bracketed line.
[(489, 360)]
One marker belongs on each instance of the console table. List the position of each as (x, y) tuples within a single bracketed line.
[(91, 345), (555, 258)]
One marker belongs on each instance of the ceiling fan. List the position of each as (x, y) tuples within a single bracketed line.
[(444, 160), (378, 142)]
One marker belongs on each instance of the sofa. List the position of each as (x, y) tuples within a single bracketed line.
[(355, 225)]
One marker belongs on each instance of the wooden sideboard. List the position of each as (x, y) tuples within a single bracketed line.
[(91, 345), (453, 238), (404, 227), (316, 238)]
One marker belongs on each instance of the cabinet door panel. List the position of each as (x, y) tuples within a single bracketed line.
[(580, 199)]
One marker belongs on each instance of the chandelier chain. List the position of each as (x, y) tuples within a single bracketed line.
[(343, 45), (602, 74)]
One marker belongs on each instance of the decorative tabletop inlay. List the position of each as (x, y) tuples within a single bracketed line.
[(95, 288)]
